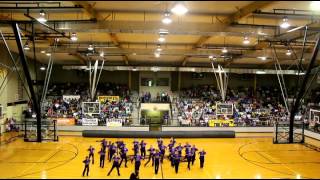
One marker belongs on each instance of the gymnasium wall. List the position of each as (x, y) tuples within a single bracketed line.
[(60, 75), (13, 90)]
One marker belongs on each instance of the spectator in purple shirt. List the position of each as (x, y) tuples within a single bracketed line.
[(116, 159), (86, 166), (91, 153)]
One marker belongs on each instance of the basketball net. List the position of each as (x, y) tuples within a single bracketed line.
[(222, 80)]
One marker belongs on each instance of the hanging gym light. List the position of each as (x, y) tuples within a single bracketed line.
[(288, 53), (285, 24), (26, 46), (315, 5), (179, 9), (161, 38), (102, 54), (224, 50), (157, 54), (166, 19), (159, 48), (74, 37), (42, 17), (246, 40), (42, 68), (90, 48)]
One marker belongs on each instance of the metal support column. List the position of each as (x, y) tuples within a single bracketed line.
[(129, 79), (254, 84), (28, 77), (302, 89)]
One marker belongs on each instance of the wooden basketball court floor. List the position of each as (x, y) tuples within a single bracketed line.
[(241, 157)]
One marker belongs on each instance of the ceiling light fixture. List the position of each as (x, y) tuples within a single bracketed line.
[(26, 46), (246, 40), (102, 54), (210, 57), (48, 54), (285, 24), (315, 5), (161, 38), (74, 37), (179, 9), (166, 19), (42, 17), (159, 47), (155, 68), (288, 53), (157, 54), (224, 50), (260, 72), (90, 48), (263, 58), (42, 68), (42, 52)]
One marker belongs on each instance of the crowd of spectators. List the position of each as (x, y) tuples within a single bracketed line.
[(197, 105), (58, 106), (160, 97)]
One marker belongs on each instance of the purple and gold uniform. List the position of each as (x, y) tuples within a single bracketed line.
[(116, 164), (157, 157), (193, 151), (189, 158), (123, 154), (152, 151), (91, 153), (162, 151), (102, 154), (137, 158), (143, 149), (176, 161), (86, 166), (112, 151), (202, 154), (179, 149)]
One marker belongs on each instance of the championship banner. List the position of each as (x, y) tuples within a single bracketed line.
[(90, 122), (221, 123), (65, 121), (114, 124), (69, 97), (103, 99)]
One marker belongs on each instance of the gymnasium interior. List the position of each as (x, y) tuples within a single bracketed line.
[(159, 89)]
